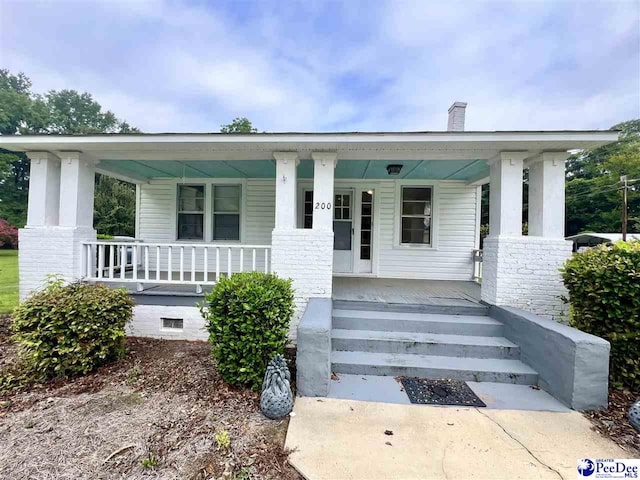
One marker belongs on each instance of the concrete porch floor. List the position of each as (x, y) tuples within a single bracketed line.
[(406, 291)]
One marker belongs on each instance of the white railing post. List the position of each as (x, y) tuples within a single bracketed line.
[(158, 262), (266, 260), (146, 262), (123, 261), (253, 260), (229, 262), (181, 263), (217, 263), (193, 264), (111, 260), (169, 264), (241, 260), (205, 273)]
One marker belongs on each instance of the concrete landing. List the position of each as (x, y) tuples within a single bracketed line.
[(374, 388), (343, 439)]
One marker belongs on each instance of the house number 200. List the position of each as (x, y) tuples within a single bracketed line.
[(323, 206)]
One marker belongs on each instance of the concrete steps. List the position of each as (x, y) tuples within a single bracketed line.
[(391, 321), (424, 343), (408, 341), (433, 366)]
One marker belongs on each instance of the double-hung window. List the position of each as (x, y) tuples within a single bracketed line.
[(190, 212), (226, 212), (416, 215)]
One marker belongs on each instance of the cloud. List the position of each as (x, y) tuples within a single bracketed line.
[(190, 66)]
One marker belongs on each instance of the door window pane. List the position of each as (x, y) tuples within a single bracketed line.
[(342, 235), (366, 223), (308, 209)]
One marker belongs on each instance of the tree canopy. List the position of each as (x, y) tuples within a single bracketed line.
[(239, 125), (593, 187), (57, 112)]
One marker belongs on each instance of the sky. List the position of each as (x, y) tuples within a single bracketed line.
[(179, 66)]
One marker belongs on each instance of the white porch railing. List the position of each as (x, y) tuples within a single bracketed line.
[(170, 263), (477, 265)]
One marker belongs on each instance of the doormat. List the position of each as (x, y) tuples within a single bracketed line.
[(440, 392)]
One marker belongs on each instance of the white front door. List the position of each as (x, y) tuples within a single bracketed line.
[(343, 231)]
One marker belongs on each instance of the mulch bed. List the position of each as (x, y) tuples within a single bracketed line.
[(614, 423), (440, 392), (164, 400)]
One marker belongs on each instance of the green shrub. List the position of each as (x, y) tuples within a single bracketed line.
[(248, 318), (68, 330), (604, 289)]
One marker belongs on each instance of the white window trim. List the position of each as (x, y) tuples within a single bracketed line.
[(208, 208), (435, 213), (204, 212), (240, 213)]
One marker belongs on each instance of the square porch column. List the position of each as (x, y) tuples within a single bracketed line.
[(522, 271), (303, 255), (60, 218)]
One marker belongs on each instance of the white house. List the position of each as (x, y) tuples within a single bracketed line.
[(318, 208)]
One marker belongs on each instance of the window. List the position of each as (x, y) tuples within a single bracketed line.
[(172, 323), (226, 212), (366, 225), (190, 212), (307, 220), (415, 210)]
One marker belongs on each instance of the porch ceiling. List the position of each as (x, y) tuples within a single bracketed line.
[(352, 169), (432, 155)]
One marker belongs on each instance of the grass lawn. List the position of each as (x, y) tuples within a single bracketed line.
[(8, 280)]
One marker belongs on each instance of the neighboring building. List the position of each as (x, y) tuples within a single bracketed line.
[(590, 239)]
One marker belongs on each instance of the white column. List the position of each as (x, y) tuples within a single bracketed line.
[(324, 164), (286, 188), (546, 194), (44, 182), (505, 194), (77, 181)]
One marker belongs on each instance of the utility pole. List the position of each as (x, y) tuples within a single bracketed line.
[(625, 187)]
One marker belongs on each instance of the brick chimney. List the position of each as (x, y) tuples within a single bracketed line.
[(456, 117)]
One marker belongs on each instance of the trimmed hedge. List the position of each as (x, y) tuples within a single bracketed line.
[(247, 316), (604, 289), (66, 330)]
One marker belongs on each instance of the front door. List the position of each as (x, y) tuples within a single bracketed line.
[(343, 231)]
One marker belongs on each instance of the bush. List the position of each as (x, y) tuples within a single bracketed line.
[(248, 318), (8, 234), (69, 330), (604, 289)]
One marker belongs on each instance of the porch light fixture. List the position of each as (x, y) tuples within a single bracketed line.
[(394, 169)]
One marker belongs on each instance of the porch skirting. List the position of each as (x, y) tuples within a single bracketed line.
[(522, 272)]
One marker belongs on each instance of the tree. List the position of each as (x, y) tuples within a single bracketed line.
[(115, 207), (239, 125), (593, 184), (59, 112)]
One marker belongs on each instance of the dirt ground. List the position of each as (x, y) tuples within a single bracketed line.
[(153, 414), (614, 423)]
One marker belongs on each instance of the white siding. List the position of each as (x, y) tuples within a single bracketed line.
[(455, 232), (455, 227), (157, 222)]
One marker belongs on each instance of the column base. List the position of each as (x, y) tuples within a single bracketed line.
[(50, 250), (522, 272), (306, 257)]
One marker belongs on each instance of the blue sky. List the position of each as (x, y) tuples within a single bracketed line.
[(335, 66)]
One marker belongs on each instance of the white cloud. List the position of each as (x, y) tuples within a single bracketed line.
[(169, 66)]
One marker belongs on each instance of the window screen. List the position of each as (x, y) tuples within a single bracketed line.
[(226, 212), (416, 215), (190, 212)]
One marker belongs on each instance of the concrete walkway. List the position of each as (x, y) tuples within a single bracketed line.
[(345, 439)]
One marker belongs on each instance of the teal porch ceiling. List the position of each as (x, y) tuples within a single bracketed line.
[(347, 169)]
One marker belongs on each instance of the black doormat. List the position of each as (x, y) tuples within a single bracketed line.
[(440, 392)]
